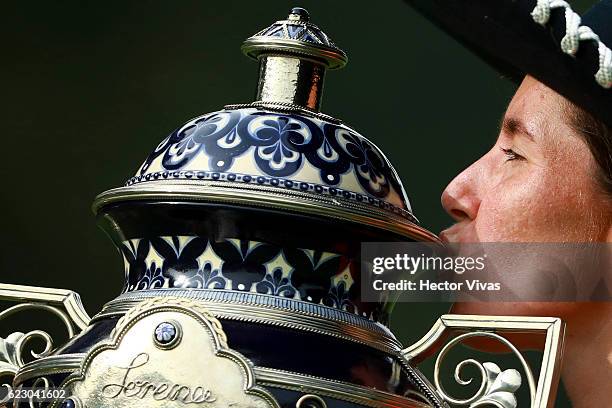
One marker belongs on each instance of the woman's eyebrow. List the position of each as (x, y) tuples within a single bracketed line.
[(515, 126)]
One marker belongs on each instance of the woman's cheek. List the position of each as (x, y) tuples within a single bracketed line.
[(507, 212), (540, 207)]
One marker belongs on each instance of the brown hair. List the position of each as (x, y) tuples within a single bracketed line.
[(598, 137)]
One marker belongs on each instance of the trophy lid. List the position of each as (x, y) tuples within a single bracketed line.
[(279, 152)]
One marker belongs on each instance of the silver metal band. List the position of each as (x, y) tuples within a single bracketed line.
[(284, 107), (64, 363), (268, 377), (291, 80), (271, 310), (332, 388), (235, 193)]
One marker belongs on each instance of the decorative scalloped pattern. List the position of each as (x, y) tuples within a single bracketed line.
[(283, 150), (271, 182)]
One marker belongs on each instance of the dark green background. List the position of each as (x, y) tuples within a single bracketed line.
[(89, 88)]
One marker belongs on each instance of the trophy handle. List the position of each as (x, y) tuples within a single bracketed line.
[(64, 304), (498, 386), (73, 314)]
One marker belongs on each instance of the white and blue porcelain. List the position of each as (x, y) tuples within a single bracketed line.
[(287, 152), (298, 191)]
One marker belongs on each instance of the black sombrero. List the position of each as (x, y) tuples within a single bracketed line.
[(543, 38)]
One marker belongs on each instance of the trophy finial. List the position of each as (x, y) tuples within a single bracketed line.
[(299, 14), (298, 37), (293, 56)]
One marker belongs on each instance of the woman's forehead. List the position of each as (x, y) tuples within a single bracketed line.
[(533, 97), (536, 110)]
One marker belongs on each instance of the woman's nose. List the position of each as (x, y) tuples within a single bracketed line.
[(460, 198)]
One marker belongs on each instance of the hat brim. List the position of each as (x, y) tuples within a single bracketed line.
[(504, 34)]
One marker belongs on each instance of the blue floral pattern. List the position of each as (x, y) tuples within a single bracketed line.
[(276, 284), (277, 145), (245, 266), (165, 332)]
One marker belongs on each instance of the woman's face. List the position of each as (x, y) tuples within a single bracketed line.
[(537, 183)]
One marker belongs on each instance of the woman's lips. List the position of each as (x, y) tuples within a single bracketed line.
[(452, 234)]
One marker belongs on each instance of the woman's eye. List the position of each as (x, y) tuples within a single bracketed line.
[(512, 155)]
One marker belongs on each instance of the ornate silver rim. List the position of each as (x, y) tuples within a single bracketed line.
[(284, 107), (265, 197), (65, 363), (331, 388), (248, 307), (254, 46), (267, 377)]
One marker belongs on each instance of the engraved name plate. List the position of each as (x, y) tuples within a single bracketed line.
[(166, 352)]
